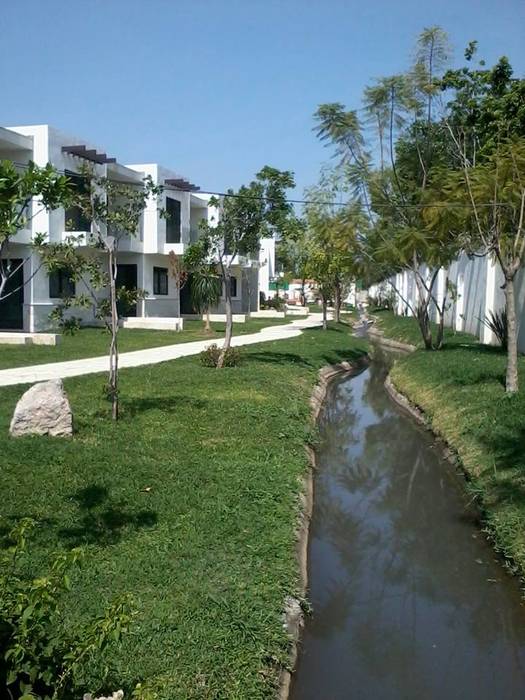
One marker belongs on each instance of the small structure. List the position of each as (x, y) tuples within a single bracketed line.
[(43, 410)]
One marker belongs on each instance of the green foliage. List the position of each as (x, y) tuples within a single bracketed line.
[(276, 302), (210, 356), (206, 288), (17, 190), (207, 551), (496, 321), (42, 659)]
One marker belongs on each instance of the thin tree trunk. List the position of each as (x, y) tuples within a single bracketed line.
[(325, 323), (207, 326), (113, 349), (337, 302), (424, 325), (229, 316), (511, 383)]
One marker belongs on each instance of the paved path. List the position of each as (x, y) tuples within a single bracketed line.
[(149, 356)]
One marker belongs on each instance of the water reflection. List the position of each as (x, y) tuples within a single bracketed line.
[(408, 599)]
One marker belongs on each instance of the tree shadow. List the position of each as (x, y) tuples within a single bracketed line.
[(277, 358), (103, 521), (166, 404)]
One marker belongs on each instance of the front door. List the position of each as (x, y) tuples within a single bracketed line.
[(12, 307), (126, 277)]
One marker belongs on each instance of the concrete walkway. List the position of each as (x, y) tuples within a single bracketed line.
[(148, 356)]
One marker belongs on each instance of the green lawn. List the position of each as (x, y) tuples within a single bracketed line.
[(92, 342), (461, 389), (405, 329), (208, 551)]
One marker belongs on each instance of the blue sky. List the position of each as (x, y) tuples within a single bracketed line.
[(217, 89)]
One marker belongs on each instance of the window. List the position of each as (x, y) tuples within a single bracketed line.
[(233, 286), (76, 220), (172, 220), (160, 280), (61, 285)]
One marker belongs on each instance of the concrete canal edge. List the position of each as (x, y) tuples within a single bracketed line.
[(293, 612)]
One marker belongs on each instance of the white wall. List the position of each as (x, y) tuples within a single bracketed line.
[(478, 282)]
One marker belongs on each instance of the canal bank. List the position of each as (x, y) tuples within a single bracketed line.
[(408, 599)]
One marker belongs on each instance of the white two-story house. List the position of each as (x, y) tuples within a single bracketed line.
[(143, 259)]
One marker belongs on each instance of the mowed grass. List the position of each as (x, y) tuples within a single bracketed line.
[(461, 389), (405, 329), (93, 342), (189, 503)]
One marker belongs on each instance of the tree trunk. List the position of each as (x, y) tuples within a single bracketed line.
[(303, 294), (511, 383), (424, 326), (337, 302), (229, 317), (325, 324), (113, 349), (207, 326)]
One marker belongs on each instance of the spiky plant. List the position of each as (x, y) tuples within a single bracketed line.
[(205, 292)]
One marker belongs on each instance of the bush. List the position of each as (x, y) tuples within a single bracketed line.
[(41, 659), (210, 356), (277, 303)]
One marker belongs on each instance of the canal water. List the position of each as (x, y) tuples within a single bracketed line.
[(409, 601)]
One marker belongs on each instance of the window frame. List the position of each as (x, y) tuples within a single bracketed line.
[(233, 279), (173, 237), (160, 274), (60, 281)]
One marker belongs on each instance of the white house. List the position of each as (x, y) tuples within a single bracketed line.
[(143, 260)]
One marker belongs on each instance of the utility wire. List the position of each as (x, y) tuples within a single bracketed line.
[(439, 205)]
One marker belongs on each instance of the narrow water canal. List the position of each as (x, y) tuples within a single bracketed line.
[(409, 602)]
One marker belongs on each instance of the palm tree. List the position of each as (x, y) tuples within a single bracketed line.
[(205, 292)]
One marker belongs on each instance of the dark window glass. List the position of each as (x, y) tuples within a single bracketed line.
[(75, 218), (233, 286), (172, 220), (60, 284), (160, 280)]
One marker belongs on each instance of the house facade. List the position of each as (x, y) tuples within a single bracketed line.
[(143, 259)]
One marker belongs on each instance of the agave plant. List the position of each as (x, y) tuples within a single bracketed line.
[(496, 321)]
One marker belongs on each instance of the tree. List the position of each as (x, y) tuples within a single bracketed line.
[(257, 210), (114, 210), (23, 194), (487, 208), (205, 291), (292, 254), (331, 235), (401, 110)]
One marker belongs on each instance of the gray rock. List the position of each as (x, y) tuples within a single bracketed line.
[(43, 410)]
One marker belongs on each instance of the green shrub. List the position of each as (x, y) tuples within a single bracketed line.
[(496, 321), (40, 658), (277, 303), (210, 356)]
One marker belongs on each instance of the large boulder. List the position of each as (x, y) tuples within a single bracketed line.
[(43, 410)]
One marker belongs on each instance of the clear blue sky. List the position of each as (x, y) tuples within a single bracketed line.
[(217, 89)]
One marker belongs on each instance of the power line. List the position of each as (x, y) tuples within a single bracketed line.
[(428, 205)]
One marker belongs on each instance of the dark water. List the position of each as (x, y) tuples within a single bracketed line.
[(409, 601)]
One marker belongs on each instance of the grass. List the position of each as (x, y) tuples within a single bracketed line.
[(461, 389), (93, 342), (208, 551), (405, 329)]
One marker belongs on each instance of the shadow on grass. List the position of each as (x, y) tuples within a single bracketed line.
[(278, 358), (103, 521), (165, 404)]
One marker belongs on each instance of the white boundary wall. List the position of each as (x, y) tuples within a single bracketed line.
[(478, 282)]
